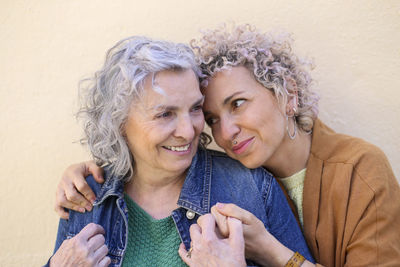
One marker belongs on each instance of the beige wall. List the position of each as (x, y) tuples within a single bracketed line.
[(47, 46)]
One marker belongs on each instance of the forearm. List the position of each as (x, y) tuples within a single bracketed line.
[(270, 252)]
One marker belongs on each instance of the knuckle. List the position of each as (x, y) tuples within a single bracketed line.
[(79, 245), (102, 240), (202, 218), (250, 218), (73, 197), (80, 187), (60, 198), (229, 207), (91, 225), (106, 261), (214, 209), (208, 241), (65, 242), (61, 203), (207, 218), (95, 227), (90, 261), (192, 227), (68, 171), (105, 249)]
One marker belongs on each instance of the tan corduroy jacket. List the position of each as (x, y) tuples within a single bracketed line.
[(351, 202)]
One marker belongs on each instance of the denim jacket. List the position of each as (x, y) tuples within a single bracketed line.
[(212, 177)]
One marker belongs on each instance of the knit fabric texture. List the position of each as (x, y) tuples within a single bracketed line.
[(151, 242), (294, 187)]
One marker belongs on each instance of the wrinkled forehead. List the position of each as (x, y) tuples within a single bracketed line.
[(169, 86)]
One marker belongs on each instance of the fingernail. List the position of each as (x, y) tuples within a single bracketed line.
[(220, 205), (92, 200), (82, 210), (88, 207)]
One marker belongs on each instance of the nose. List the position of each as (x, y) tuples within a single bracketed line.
[(185, 127), (228, 128)]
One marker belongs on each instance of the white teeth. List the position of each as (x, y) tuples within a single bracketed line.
[(178, 148)]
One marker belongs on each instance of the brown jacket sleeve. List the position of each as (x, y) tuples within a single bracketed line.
[(351, 202), (373, 232)]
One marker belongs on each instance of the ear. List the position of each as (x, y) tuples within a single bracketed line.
[(292, 98)]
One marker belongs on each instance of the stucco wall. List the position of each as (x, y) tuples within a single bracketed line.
[(47, 46)]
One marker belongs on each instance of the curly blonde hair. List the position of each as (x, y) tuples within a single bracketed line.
[(269, 58)]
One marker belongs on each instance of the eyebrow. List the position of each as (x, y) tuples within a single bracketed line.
[(164, 107), (226, 100)]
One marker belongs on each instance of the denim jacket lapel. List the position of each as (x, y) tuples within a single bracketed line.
[(195, 193)]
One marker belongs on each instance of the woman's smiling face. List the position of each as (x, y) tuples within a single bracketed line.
[(238, 108), (164, 125)]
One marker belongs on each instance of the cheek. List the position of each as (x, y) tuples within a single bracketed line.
[(272, 129), (152, 134), (198, 123), (216, 133)]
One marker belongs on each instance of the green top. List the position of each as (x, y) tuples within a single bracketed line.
[(294, 187), (151, 242)]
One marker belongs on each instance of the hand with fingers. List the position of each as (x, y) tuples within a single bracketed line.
[(260, 246), (211, 249), (254, 232), (86, 249), (73, 192)]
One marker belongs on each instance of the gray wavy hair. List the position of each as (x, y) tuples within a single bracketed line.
[(107, 96), (269, 58)]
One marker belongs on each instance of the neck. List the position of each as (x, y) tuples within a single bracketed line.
[(157, 195), (291, 157)]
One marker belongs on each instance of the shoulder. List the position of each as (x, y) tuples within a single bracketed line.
[(363, 160), (224, 163), (228, 170), (330, 146)]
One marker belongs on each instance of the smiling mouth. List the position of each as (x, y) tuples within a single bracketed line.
[(239, 148), (178, 148)]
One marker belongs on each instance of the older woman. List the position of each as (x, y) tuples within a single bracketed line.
[(143, 119), (262, 112)]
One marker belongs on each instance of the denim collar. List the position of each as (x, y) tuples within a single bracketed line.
[(111, 187), (195, 193)]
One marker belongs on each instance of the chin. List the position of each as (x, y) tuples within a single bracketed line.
[(250, 162), (179, 167)]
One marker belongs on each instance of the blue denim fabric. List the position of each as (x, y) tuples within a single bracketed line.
[(212, 177)]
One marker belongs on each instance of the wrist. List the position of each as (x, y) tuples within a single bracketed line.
[(296, 260), (271, 252)]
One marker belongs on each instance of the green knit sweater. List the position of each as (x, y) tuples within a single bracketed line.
[(151, 242)]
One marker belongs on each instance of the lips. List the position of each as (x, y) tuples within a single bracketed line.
[(239, 148), (178, 148)]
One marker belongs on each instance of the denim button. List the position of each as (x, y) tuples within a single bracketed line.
[(190, 214)]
